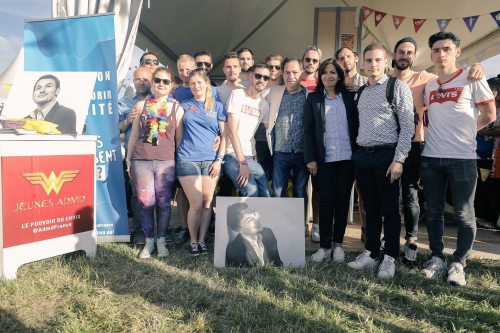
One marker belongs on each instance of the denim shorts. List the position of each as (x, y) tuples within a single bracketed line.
[(188, 168)]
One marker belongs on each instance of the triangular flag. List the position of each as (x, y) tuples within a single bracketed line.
[(496, 17), (464, 63), (470, 22), (443, 23), (417, 23), (480, 55), (367, 32), (397, 20), (366, 12), (379, 16), (7, 87)]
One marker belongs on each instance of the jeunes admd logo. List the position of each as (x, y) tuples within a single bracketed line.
[(52, 182)]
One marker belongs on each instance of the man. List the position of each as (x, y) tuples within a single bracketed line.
[(378, 161), (348, 60), (273, 61), (45, 92), (285, 133), (310, 62), (246, 109), (246, 62), (449, 155), (405, 53), (127, 112), (231, 68), (148, 60), (203, 60), (254, 245)]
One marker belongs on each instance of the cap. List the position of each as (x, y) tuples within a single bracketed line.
[(404, 40)]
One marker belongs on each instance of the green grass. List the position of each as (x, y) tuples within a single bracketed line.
[(116, 292)]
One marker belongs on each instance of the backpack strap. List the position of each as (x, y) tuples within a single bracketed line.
[(358, 95), (389, 93)]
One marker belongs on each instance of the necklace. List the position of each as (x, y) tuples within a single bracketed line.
[(157, 116)]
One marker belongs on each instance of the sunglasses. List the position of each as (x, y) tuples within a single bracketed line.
[(260, 76), (201, 63), (438, 91), (157, 80), (276, 67), (315, 61), (149, 61)]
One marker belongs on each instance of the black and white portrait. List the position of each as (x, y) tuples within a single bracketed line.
[(252, 232)]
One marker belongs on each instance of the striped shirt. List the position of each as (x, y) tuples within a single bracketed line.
[(337, 143), (377, 122)]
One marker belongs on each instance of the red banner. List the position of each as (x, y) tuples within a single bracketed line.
[(45, 197), (397, 20), (366, 12), (417, 23), (379, 16)]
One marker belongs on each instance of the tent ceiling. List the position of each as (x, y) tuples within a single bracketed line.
[(286, 27)]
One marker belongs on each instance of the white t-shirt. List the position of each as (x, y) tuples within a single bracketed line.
[(453, 116), (251, 113), (224, 92)]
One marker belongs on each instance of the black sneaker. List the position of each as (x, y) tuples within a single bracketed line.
[(182, 237), (202, 247), (194, 250), (410, 258)]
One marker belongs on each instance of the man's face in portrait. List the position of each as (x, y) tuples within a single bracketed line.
[(249, 222), (45, 92)]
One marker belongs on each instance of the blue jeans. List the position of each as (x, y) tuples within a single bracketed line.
[(257, 183), (380, 198), (462, 176), (283, 163)]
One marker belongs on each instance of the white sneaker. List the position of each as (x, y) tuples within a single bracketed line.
[(387, 268), (434, 268), (363, 261), (306, 231), (161, 246), (320, 255), (456, 275), (382, 245), (315, 233), (338, 254), (148, 249)]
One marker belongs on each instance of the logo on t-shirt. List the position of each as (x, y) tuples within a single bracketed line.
[(250, 111), (446, 95)]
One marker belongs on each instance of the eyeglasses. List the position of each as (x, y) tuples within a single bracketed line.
[(315, 61), (276, 67), (201, 63), (157, 80), (149, 61), (260, 76)]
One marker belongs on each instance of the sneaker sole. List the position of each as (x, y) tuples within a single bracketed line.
[(314, 240), (194, 254), (454, 283), (338, 259), (433, 276), (163, 255), (365, 267)]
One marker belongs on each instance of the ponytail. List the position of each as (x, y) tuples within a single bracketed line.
[(209, 100)]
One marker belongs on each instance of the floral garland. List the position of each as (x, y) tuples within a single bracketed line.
[(157, 116)]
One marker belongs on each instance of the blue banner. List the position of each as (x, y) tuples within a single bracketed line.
[(443, 23), (87, 44)]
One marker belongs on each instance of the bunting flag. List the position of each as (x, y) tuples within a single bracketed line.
[(367, 32), (379, 16), (417, 23), (496, 17), (367, 12), (397, 20), (7, 87), (464, 63), (480, 55), (470, 22), (443, 23)]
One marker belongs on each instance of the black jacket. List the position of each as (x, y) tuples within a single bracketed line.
[(314, 125), (240, 252), (64, 117)]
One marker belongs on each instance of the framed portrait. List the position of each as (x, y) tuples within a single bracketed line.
[(250, 232)]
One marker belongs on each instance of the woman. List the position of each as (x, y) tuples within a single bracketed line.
[(330, 131), (198, 167), (151, 158)]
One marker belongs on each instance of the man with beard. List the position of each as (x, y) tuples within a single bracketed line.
[(246, 62), (246, 107), (231, 67), (310, 62), (405, 53), (203, 60), (127, 112)]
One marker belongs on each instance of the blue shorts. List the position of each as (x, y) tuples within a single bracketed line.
[(188, 168)]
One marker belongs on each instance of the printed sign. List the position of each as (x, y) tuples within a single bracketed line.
[(347, 40)]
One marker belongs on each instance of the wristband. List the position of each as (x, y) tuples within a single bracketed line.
[(242, 163), (128, 160), (219, 158)]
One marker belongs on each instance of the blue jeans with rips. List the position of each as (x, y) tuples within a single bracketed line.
[(257, 183), (461, 174)]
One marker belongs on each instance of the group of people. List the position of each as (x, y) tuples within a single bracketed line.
[(311, 117)]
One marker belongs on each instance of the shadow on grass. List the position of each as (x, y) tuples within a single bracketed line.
[(10, 323)]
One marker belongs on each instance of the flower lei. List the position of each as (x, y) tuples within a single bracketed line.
[(157, 116)]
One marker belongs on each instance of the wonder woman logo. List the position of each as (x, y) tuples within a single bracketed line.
[(52, 182)]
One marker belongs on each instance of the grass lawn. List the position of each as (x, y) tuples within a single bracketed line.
[(116, 292)]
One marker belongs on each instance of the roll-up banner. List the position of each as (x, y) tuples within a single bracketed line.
[(87, 44)]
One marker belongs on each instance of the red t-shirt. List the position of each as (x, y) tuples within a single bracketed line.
[(309, 84)]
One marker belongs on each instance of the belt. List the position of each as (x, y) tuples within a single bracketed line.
[(379, 147)]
